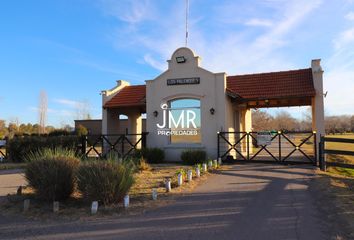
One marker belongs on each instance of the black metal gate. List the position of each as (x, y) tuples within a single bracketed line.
[(282, 147), (3, 152), (99, 146)]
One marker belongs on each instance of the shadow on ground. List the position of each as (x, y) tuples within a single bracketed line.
[(253, 201)]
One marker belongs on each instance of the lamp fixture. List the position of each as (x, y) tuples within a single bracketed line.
[(212, 111), (180, 59), (155, 113)]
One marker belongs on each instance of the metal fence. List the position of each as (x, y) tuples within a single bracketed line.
[(3, 152), (98, 146), (290, 147), (123, 145)]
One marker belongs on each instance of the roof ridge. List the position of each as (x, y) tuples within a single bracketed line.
[(139, 85), (261, 73)]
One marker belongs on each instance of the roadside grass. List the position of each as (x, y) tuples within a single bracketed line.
[(9, 166), (140, 197), (335, 198)]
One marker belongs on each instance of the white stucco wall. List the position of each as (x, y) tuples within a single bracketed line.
[(110, 118), (210, 91)]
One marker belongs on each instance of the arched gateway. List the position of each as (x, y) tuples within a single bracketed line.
[(187, 106)]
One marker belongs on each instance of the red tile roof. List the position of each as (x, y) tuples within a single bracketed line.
[(286, 84), (294, 83), (129, 96)]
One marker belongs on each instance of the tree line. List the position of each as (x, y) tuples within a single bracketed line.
[(263, 121), (15, 129)]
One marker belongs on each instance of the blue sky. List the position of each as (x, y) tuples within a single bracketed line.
[(72, 49)]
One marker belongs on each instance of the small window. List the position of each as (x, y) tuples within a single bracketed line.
[(185, 122)]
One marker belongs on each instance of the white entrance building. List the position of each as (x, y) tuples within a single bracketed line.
[(216, 102)]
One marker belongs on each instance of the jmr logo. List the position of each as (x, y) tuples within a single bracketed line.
[(185, 119)]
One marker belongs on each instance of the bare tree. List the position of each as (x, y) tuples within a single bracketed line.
[(42, 111), (83, 110), (262, 120), (3, 129), (13, 127)]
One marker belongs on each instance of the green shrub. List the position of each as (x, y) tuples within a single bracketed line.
[(19, 147), (151, 155), (140, 164), (51, 173), (104, 181), (81, 130), (182, 172), (59, 132), (192, 157)]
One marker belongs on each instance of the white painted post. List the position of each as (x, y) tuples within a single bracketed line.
[(219, 161), (180, 179), (205, 167), (197, 172), (168, 184), (210, 164), (126, 201), (154, 194), (26, 205), (55, 206), (215, 163), (190, 175), (94, 207)]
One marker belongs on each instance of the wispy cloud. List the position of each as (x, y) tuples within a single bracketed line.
[(154, 63), (350, 16), (132, 11), (224, 45), (230, 45), (68, 102), (344, 38), (55, 112), (339, 79), (256, 22), (104, 67), (79, 57)]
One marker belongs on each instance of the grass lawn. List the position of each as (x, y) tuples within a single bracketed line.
[(341, 158), (140, 196)]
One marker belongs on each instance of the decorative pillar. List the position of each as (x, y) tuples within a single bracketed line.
[(317, 102), (135, 126), (245, 126)]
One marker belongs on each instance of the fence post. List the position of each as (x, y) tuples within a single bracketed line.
[(320, 153), (83, 144), (218, 133), (322, 157), (6, 148), (315, 147), (248, 146), (143, 140), (279, 145), (123, 139)]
